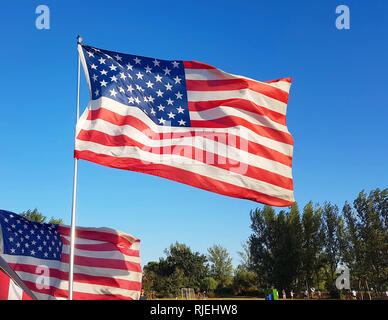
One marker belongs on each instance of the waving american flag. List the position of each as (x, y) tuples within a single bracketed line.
[(189, 122), (106, 266)]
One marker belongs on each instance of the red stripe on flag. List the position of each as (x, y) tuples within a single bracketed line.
[(25, 296), (238, 104), (281, 79), (232, 121), (4, 286), (237, 84), (197, 65)]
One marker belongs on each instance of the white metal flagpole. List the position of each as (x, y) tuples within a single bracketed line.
[(73, 209)]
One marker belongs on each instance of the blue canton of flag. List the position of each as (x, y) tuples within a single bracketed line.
[(26, 238), (157, 87)]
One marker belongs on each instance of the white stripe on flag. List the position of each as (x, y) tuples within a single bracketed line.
[(15, 292)]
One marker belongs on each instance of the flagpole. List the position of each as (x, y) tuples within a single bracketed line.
[(73, 209)]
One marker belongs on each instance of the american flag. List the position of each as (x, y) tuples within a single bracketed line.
[(189, 122), (9, 290), (106, 265)]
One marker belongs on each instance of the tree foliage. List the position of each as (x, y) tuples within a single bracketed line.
[(366, 235), (36, 216), (291, 249), (245, 282), (276, 245), (221, 268), (181, 268)]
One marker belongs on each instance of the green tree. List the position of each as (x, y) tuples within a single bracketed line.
[(245, 282), (163, 285), (275, 247), (312, 244), (36, 216), (262, 243), (192, 264), (290, 251), (334, 237), (171, 285), (150, 277), (209, 284), (366, 231), (245, 256), (283, 273), (221, 268), (295, 249), (353, 248)]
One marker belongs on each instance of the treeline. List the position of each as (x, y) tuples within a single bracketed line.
[(183, 268), (293, 249), (299, 250)]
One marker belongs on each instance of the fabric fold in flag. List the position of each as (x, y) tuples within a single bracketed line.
[(106, 265), (9, 290), (188, 122)]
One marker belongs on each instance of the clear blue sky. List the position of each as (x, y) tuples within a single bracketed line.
[(337, 112)]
